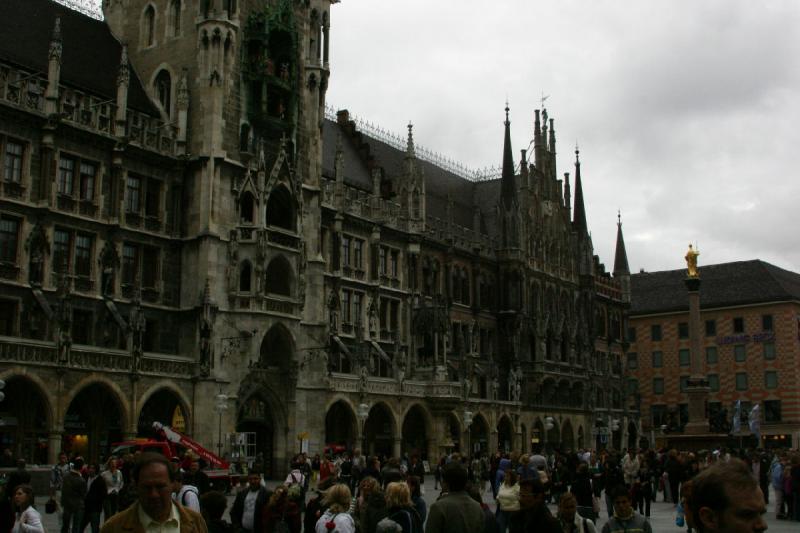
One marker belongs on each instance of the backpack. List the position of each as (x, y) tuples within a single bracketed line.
[(297, 492)]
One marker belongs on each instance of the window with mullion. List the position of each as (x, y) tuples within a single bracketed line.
[(134, 196), (66, 175), (130, 263), (150, 268), (12, 163), (87, 180), (9, 239), (83, 255), (61, 251)]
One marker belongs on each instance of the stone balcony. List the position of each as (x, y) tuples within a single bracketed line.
[(14, 350)]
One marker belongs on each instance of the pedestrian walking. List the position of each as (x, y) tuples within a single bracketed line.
[(455, 511), (212, 507), (28, 519), (247, 509), (570, 520), (281, 515), (507, 500), (625, 519), (73, 498), (336, 517), (114, 482), (95, 496)]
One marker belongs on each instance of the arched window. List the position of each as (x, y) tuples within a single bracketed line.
[(230, 7), (280, 208), (175, 18), (245, 276), (278, 279), (149, 26), (277, 348), (163, 89), (246, 208)]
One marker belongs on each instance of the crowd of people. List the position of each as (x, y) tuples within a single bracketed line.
[(353, 493)]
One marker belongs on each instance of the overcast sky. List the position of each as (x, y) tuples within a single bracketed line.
[(686, 111)]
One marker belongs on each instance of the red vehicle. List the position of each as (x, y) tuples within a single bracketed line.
[(174, 445)]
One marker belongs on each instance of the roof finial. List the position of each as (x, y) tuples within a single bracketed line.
[(410, 144), (507, 110), (577, 153), (619, 217)]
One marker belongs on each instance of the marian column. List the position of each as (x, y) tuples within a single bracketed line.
[(698, 384)]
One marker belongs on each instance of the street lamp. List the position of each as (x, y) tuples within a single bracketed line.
[(220, 406)]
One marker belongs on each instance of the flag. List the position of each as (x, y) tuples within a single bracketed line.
[(736, 427), (754, 421)]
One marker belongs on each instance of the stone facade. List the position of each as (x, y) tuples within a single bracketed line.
[(187, 220)]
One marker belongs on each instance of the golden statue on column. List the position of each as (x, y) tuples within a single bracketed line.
[(691, 262)]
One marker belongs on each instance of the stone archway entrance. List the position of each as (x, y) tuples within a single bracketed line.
[(379, 432), (415, 434), (553, 437), (505, 435), (163, 406), (93, 423), (256, 420), (25, 417), (478, 436), (340, 426)]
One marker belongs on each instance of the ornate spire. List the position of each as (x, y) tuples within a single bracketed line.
[(124, 74), (579, 219), (55, 41), (620, 255), (508, 187), (410, 143)]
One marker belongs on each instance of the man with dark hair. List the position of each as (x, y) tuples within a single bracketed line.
[(154, 509), (73, 494), (533, 514), (248, 507), (726, 498), (625, 519), (455, 511)]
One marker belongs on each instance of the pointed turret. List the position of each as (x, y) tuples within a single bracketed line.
[(579, 219), (54, 69), (508, 187), (620, 255)]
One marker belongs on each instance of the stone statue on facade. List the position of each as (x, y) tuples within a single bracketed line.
[(691, 262)]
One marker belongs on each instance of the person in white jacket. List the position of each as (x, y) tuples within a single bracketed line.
[(630, 467), (28, 519)]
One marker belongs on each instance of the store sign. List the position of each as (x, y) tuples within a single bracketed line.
[(766, 336)]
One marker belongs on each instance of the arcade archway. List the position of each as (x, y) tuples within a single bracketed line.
[(255, 420), (453, 443), (93, 423), (415, 434), (478, 435), (25, 416), (379, 432), (505, 435), (163, 406), (340, 426), (567, 437)]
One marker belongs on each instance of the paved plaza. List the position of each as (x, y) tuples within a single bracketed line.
[(662, 514)]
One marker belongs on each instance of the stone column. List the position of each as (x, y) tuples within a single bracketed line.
[(53, 446), (493, 441), (396, 447), (698, 389)]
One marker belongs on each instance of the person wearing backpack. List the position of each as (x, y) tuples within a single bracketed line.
[(401, 512), (186, 494), (570, 520)]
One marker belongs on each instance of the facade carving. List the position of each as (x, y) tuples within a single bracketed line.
[(216, 229)]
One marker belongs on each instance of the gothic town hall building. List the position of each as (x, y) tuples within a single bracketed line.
[(188, 235)]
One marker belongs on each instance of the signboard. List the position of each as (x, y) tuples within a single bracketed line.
[(766, 336)]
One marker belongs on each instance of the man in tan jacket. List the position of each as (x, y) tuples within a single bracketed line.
[(154, 510)]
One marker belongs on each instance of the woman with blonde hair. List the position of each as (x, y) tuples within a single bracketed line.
[(338, 499), (401, 511), (507, 500)]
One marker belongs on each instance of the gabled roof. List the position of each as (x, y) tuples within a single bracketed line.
[(722, 285), (90, 57)]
